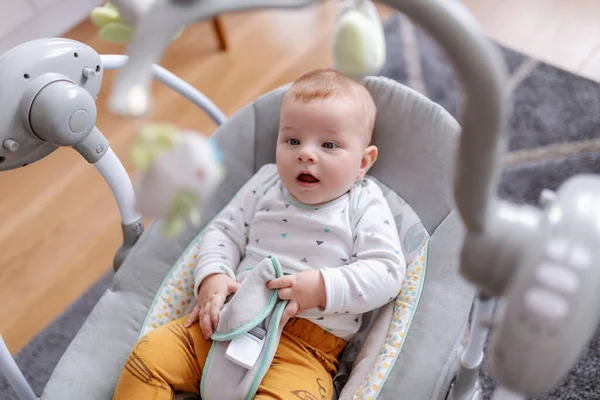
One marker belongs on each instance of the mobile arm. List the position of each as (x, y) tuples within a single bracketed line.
[(49, 87)]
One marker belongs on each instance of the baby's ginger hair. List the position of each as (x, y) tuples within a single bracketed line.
[(328, 83)]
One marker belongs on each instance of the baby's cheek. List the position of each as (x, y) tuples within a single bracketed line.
[(347, 170), (341, 181)]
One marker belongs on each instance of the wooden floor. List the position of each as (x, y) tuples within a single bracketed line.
[(59, 224)]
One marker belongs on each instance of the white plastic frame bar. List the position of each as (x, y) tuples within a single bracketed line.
[(482, 316), (117, 178), (10, 370), (114, 61)]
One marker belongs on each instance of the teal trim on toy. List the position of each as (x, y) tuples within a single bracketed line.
[(266, 362), (267, 316), (267, 309), (206, 364)]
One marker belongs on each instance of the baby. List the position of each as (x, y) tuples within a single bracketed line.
[(329, 226)]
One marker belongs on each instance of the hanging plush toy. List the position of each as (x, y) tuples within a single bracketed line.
[(179, 171), (359, 41), (117, 26), (112, 28)]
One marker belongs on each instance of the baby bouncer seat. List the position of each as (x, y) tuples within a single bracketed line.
[(415, 174), (412, 347)]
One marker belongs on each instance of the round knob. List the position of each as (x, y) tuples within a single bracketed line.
[(88, 73), (62, 113), (11, 145)]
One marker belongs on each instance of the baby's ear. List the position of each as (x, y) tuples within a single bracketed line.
[(368, 159)]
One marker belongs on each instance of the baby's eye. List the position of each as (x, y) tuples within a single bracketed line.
[(293, 142), (329, 145)]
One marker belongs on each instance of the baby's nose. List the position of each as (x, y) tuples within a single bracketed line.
[(305, 155)]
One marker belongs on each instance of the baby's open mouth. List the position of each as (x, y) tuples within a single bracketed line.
[(307, 181), (307, 178)]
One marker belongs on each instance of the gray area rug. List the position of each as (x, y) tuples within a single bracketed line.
[(553, 135)]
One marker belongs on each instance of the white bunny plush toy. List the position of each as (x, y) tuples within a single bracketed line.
[(179, 171)]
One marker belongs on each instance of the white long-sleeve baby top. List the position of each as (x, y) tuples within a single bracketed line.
[(352, 240)]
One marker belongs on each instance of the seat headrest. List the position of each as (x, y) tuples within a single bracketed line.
[(416, 138)]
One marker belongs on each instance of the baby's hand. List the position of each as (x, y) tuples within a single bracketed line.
[(213, 291), (304, 291)]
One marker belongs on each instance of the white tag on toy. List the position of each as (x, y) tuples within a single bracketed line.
[(245, 349)]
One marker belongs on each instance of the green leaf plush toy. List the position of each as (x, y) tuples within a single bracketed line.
[(113, 26)]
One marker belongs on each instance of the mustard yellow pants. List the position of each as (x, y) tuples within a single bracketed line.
[(171, 358)]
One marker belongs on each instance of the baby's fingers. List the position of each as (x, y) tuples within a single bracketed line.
[(234, 287), (206, 326), (215, 309), (281, 282), (193, 316), (285, 293), (214, 314), (290, 311)]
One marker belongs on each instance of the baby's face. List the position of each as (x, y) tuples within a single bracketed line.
[(320, 147)]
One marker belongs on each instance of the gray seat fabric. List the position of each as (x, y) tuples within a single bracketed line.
[(416, 139), (429, 359)]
